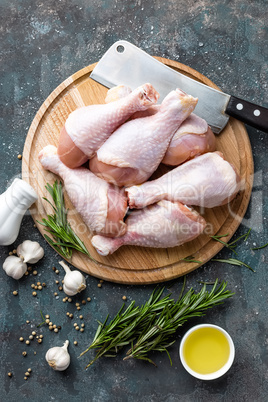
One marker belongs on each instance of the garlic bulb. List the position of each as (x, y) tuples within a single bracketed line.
[(74, 281), (58, 357), (14, 267), (30, 251)]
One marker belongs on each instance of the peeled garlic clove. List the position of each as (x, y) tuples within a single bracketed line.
[(58, 357), (30, 251), (14, 267), (74, 281)]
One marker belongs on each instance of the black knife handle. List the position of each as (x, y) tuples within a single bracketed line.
[(253, 115)]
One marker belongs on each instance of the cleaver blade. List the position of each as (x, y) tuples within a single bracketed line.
[(126, 64)]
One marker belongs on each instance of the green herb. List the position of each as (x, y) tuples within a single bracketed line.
[(190, 259), (234, 261), (233, 244), (152, 326), (125, 326), (219, 239), (43, 318), (63, 239), (258, 248), (157, 335)]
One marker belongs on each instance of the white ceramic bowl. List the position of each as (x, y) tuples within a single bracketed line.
[(219, 372)]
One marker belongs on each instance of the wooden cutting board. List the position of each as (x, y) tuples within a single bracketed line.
[(133, 265)]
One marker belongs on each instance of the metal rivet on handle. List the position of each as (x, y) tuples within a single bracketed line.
[(256, 112), (239, 106)]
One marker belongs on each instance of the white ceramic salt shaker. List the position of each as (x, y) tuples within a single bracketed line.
[(14, 202)]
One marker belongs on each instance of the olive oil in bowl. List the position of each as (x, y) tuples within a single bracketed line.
[(207, 351)]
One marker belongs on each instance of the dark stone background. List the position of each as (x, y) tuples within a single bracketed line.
[(44, 42)]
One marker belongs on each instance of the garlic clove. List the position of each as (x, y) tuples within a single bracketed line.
[(30, 251), (58, 357), (14, 267), (74, 281)]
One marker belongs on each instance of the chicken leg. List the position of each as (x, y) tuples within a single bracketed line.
[(164, 224), (88, 127), (193, 137), (102, 206), (206, 181), (136, 148)]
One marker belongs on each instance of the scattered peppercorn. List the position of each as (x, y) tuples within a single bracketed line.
[(15, 293), (75, 342), (20, 156), (99, 285), (83, 302), (9, 374), (34, 294), (39, 340), (21, 339), (27, 342), (24, 353), (81, 317), (124, 297), (81, 329), (88, 299)]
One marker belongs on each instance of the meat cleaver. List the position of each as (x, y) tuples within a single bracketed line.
[(126, 64)]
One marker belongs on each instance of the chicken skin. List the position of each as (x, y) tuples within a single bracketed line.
[(194, 137), (88, 127), (206, 181), (135, 150), (101, 205), (164, 224)]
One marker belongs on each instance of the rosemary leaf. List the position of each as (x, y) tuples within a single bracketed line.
[(189, 259), (62, 237), (260, 247), (234, 261)]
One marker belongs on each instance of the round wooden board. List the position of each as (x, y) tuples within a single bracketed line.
[(133, 265)]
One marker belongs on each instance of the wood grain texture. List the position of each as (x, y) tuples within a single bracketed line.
[(129, 264)]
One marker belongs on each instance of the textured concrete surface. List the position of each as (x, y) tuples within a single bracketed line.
[(42, 43)]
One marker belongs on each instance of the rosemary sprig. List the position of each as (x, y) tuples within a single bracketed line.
[(63, 238), (233, 244), (151, 327), (156, 336), (125, 326), (234, 261)]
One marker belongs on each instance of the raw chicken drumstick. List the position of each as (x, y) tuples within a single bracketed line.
[(193, 137), (134, 151), (164, 224), (102, 206), (88, 127), (206, 181)]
